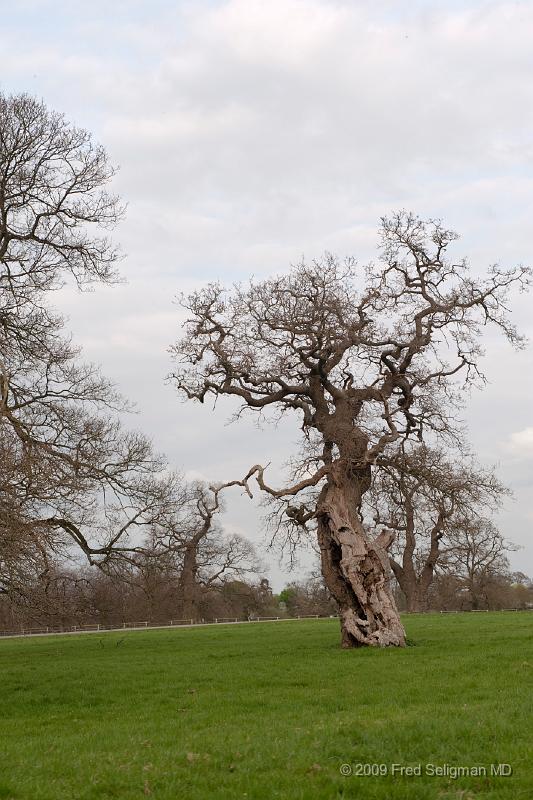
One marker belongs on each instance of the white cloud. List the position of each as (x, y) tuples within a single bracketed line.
[(521, 443)]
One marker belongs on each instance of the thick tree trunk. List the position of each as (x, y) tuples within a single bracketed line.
[(356, 570), (189, 584), (415, 600), (416, 586), (413, 589)]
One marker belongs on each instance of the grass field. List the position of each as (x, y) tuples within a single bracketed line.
[(268, 710)]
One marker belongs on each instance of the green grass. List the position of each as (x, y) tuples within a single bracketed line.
[(266, 711)]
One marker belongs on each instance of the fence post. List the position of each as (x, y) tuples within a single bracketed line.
[(98, 625)]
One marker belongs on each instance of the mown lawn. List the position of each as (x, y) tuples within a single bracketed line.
[(267, 710)]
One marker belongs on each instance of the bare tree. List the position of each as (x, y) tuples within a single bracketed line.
[(476, 553), (423, 494), (201, 553), (366, 358), (69, 473)]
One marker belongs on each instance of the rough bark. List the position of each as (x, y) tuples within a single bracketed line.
[(356, 571)]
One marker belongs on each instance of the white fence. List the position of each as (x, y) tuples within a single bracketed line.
[(97, 626), (130, 626)]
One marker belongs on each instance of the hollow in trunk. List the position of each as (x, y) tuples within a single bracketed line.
[(356, 569)]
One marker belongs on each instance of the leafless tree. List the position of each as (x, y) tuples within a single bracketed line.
[(69, 473), (423, 494), (366, 357), (202, 554), (476, 554)]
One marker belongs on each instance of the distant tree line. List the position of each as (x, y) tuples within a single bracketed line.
[(154, 595)]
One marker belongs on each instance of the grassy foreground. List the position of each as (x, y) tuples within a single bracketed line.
[(268, 710)]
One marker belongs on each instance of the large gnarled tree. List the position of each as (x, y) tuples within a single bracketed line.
[(365, 357)]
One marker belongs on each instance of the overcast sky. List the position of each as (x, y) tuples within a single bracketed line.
[(252, 132)]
